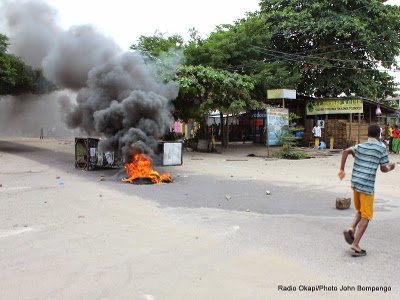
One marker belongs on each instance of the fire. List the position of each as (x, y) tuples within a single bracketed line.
[(140, 166)]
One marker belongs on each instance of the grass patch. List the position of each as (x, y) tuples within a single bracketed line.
[(290, 154)]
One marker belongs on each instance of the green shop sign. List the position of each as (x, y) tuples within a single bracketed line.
[(334, 106)]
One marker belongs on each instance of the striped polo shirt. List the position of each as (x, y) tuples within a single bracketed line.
[(367, 158)]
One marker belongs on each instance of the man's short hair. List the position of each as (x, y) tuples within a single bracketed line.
[(374, 130)]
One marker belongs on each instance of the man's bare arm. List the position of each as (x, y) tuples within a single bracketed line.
[(343, 162), (388, 168)]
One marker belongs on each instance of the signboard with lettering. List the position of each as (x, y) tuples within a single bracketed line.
[(257, 114), (334, 106), (277, 118)]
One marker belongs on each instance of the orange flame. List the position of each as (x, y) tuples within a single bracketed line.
[(140, 166)]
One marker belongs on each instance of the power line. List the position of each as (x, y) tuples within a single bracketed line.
[(302, 59), (334, 59), (344, 43), (318, 64), (325, 53)]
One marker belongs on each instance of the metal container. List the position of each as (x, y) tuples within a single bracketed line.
[(172, 153), (86, 153)]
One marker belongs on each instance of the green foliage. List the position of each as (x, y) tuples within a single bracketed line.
[(337, 46), (164, 54), (3, 43), (320, 48), (230, 47), (204, 89), (154, 46), (18, 78), (290, 154)]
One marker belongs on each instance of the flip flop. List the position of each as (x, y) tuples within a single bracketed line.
[(359, 253), (348, 236)]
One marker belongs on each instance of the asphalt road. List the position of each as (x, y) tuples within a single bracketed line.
[(295, 221)]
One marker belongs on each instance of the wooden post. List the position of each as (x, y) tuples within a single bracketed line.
[(359, 127), (351, 119), (227, 127), (267, 138), (254, 128), (370, 115)]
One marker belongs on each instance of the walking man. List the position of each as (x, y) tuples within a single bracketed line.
[(367, 157)]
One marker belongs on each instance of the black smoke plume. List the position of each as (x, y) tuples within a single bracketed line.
[(117, 95), (124, 102)]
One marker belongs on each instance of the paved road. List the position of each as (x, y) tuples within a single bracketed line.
[(297, 220)]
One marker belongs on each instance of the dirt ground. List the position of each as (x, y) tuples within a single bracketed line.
[(214, 233)]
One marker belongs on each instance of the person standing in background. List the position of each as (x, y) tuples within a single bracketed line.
[(41, 133), (317, 134), (396, 140), (390, 129)]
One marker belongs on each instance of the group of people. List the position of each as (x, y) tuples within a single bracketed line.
[(394, 139)]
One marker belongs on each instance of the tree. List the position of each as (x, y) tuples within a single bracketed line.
[(154, 46), (204, 89), (231, 47), (321, 48), (336, 45), (18, 78), (3, 43), (164, 54)]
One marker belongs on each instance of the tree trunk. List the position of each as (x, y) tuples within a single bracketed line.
[(205, 127), (223, 130), (227, 130)]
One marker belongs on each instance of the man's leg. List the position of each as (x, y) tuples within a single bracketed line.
[(366, 212), (357, 219), (350, 233), (362, 226)]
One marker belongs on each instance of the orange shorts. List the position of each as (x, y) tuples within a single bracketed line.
[(364, 203)]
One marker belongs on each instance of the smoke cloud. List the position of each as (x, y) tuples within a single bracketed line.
[(124, 102), (117, 95), (75, 53), (32, 27), (24, 116)]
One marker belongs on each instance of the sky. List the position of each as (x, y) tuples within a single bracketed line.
[(127, 20)]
